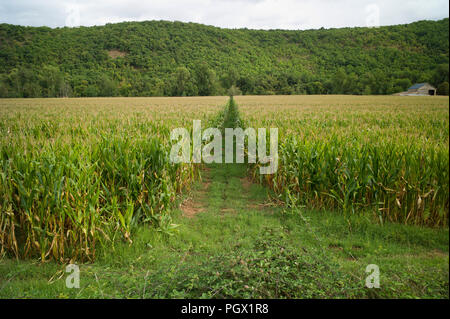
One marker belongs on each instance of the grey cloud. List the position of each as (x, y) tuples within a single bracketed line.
[(256, 14)]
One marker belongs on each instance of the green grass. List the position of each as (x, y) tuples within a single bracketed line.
[(239, 246)]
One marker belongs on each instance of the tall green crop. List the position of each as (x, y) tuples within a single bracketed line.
[(383, 156), (75, 176)]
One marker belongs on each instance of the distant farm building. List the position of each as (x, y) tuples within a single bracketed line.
[(420, 89)]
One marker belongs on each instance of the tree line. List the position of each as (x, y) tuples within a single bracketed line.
[(160, 58)]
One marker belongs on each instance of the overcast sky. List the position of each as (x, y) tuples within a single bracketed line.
[(254, 14)]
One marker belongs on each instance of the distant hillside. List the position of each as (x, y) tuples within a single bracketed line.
[(173, 58)]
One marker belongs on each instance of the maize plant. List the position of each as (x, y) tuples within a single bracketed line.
[(383, 156), (77, 173)]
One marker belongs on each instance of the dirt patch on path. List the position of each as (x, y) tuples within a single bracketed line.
[(224, 211), (190, 208), (255, 206), (246, 183), (193, 205), (206, 183)]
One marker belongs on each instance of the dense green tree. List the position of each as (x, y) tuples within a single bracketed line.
[(339, 82), (206, 80), (154, 58), (183, 84), (402, 85), (230, 78), (246, 84), (106, 86), (51, 81), (441, 74), (443, 88)]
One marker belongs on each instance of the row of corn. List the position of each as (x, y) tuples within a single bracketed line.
[(75, 178), (384, 157)]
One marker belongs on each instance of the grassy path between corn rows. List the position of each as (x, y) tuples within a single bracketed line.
[(231, 243)]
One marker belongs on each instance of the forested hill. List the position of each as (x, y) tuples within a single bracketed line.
[(156, 58)]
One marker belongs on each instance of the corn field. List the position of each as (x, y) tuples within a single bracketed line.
[(79, 173), (384, 156)]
